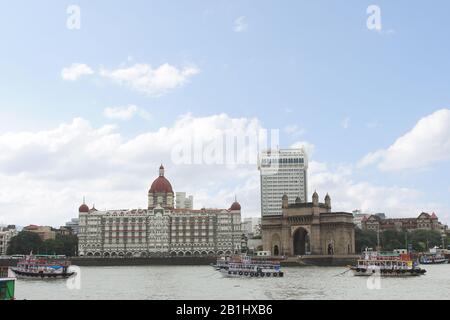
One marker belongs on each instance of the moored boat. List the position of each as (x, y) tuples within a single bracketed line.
[(432, 258), (43, 267), (7, 284), (246, 267), (387, 265)]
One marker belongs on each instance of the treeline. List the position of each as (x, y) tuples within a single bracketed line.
[(421, 240), (26, 242)]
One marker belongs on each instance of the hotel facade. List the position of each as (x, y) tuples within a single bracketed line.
[(161, 229)]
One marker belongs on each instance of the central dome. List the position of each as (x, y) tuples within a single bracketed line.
[(161, 184)]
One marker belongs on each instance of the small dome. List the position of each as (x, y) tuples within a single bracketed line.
[(298, 200), (235, 206), (83, 208)]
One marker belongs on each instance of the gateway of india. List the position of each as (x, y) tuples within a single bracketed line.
[(308, 228)]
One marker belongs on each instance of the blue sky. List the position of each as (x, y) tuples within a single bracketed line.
[(312, 66)]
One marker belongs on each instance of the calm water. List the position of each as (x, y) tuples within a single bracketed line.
[(187, 282)]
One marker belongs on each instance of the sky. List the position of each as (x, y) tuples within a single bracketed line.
[(95, 95)]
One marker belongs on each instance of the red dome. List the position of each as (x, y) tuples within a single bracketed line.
[(235, 206), (161, 185), (83, 208)]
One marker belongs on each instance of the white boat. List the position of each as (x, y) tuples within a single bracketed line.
[(387, 265), (433, 258), (246, 267), (42, 267)]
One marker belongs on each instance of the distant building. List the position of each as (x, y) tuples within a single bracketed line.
[(160, 229), (44, 232), (308, 228), (183, 202), (251, 227), (283, 172), (358, 217), (6, 233), (424, 221), (63, 231), (73, 225)]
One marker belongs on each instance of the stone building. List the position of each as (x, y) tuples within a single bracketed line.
[(308, 228), (44, 232), (424, 221), (6, 234), (160, 229)]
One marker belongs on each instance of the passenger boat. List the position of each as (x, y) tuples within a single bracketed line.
[(432, 258), (7, 284), (246, 267), (387, 265), (43, 267)]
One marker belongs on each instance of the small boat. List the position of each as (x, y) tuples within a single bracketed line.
[(43, 267), (7, 284), (387, 265), (432, 258), (246, 267)]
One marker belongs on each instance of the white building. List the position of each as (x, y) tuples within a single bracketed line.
[(283, 172), (5, 237), (183, 202), (160, 229), (251, 227)]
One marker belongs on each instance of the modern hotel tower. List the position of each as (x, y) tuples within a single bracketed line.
[(283, 172)]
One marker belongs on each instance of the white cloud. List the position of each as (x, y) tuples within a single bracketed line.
[(373, 125), (75, 71), (426, 144), (294, 130), (307, 146), (125, 113), (240, 24), (45, 174), (152, 81)]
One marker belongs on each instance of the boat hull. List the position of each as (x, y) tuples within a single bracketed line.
[(41, 275), (242, 274), (388, 273), (435, 262)]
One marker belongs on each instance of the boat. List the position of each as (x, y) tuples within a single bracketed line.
[(43, 267), (432, 258), (7, 284), (387, 264), (246, 267)]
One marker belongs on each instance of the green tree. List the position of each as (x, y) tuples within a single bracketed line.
[(365, 239), (24, 243), (422, 240)]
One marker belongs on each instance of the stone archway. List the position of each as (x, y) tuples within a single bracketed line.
[(301, 243), (276, 245)]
